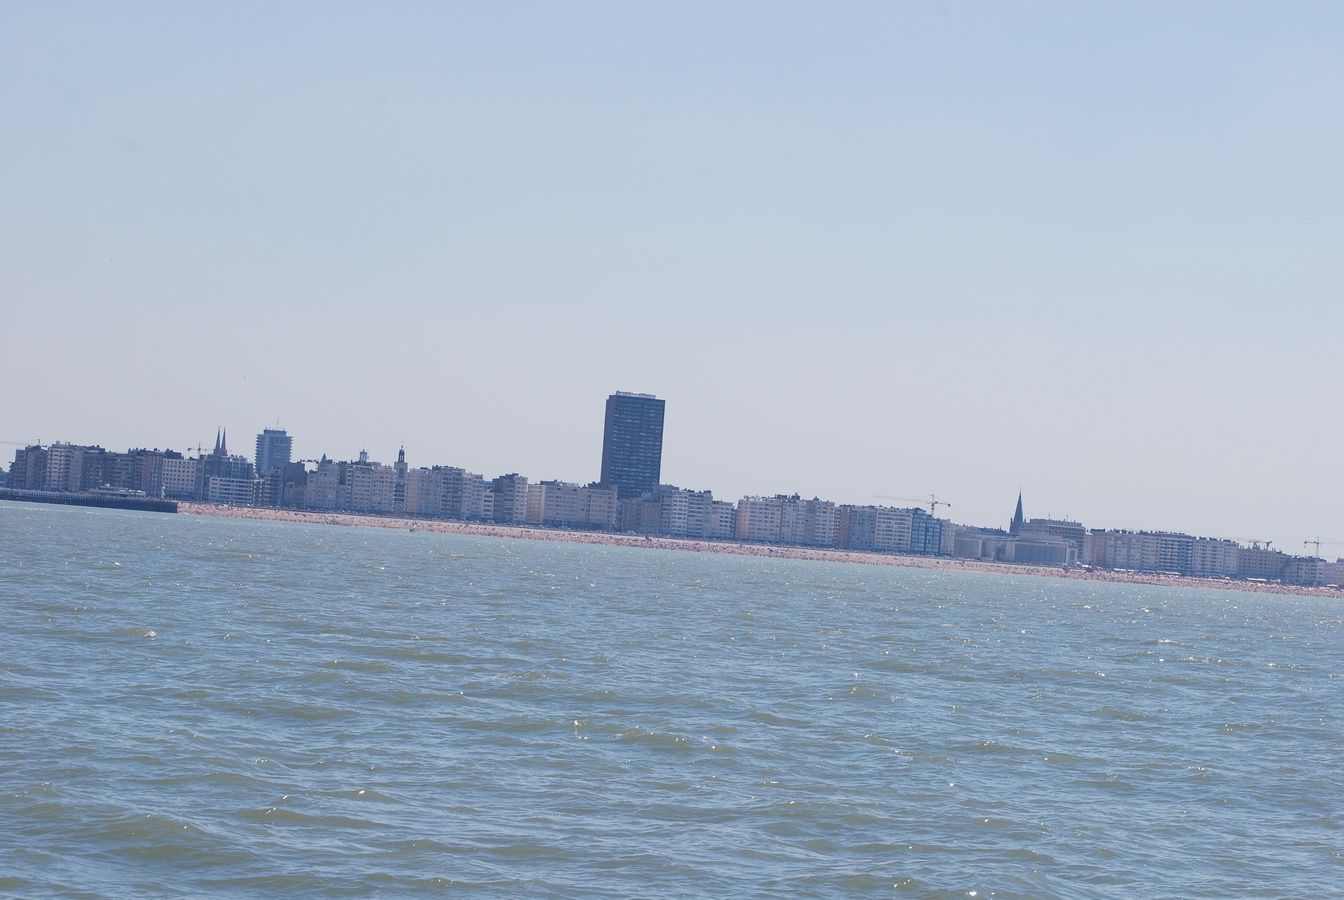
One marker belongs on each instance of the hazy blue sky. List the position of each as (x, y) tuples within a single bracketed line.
[(1088, 250)]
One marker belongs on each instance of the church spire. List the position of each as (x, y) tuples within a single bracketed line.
[(1016, 526)]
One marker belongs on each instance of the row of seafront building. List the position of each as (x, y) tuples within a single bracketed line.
[(363, 486), (449, 492)]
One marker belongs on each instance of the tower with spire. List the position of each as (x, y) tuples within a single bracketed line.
[(399, 486), (222, 477), (1016, 526)]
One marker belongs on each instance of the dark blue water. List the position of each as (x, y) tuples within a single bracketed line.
[(203, 707)]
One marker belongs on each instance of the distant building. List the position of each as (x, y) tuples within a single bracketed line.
[(223, 477), (363, 486), (676, 512), (1263, 563), (887, 530), (721, 520), (559, 504), (509, 499), (1035, 542), (983, 543), (71, 467), (274, 448), (323, 488), (137, 470), (1213, 557), (640, 514), (1310, 571), (1119, 549), (758, 520), (399, 488), (1050, 542), (632, 443), (1062, 529), (447, 492), (1184, 554), (29, 468), (683, 513), (787, 519), (285, 487), (370, 487), (67, 468), (180, 477)]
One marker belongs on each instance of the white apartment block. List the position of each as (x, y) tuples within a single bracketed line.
[(786, 519), (892, 529), (720, 520), (324, 490), (371, 487), (179, 478), (445, 491), (758, 520), (236, 491), (560, 504), (1213, 557), (1136, 550)]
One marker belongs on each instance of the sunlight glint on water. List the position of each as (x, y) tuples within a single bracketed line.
[(195, 706)]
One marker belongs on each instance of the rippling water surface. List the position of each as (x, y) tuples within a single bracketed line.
[(203, 707)]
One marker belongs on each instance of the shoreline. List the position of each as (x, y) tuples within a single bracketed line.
[(535, 533)]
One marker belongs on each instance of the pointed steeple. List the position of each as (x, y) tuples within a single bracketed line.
[(1016, 526), (217, 432), (224, 443)]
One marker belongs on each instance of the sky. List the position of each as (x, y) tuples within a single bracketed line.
[(1089, 252)]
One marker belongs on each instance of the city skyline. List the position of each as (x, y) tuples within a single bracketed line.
[(630, 461), (91, 475), (277, 440), (949, 248)]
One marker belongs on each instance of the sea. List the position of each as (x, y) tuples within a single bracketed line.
[(202, 707)]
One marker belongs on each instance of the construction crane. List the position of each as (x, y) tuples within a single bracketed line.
[(933, 501), (1318, 544)]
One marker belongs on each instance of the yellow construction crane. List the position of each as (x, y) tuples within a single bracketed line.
[(933, 501)]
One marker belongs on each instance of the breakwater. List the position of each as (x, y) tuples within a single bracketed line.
[(88, 498)]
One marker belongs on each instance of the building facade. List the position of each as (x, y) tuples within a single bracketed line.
[(632, 443), (508, 500), (559, 504), (274, 449)]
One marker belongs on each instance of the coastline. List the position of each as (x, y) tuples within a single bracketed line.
[(534, 533)]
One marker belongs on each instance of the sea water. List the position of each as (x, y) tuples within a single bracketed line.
[(193, 706)]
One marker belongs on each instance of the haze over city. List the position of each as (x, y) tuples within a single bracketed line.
[(952, 248)]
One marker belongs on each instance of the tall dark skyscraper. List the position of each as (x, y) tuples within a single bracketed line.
[(632, 443)]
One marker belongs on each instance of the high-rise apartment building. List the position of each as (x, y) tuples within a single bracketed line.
[(632, 443), (273, 450)]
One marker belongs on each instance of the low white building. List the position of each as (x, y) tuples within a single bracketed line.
[(179, 478)]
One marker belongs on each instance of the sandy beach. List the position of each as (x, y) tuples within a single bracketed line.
[(532, 533)]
